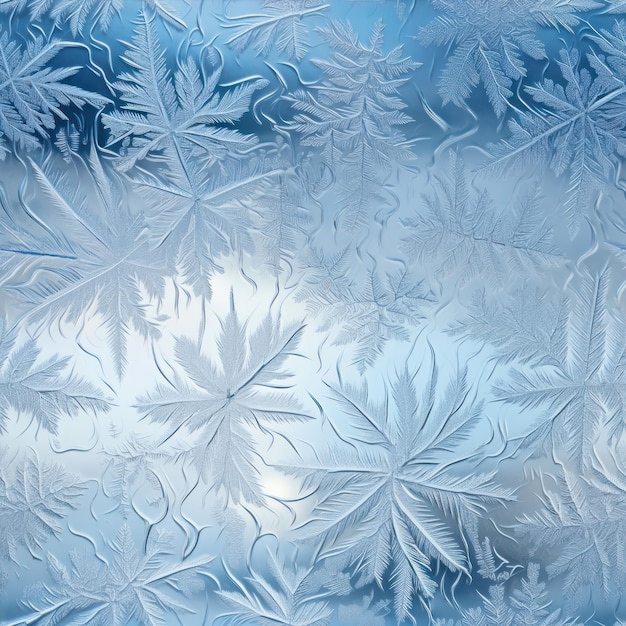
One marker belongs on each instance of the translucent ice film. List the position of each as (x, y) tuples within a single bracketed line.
[(312, 312)]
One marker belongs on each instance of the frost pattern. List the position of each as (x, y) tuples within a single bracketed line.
[(42, 389), (33, 92), (464, 231), (579, 135), (173, 118), (224, 403), (33, 500), (312, 313), (131, 586), (356, 116), (387, 505), (281, 23), (491, 39)]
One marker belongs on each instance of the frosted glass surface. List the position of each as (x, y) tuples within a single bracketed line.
[(312, 312)]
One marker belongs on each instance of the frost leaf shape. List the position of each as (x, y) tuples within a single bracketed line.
[(41, 388), (116, 264), (197, 203), (490, 39), (370, 312), (579, 131), (80, 13), (225, 405), (580, 381), (202, 216), (281, 25), (462, 233), (132, 587), (496, 610), (519, 325), (532, 602), (34, 498), (281, 598), (174, 119), (393, 503), (354, 115), (33, 94)]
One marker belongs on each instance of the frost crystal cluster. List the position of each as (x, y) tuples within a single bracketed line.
[(312, 312)]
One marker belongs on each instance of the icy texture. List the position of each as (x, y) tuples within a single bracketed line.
[(312, 313)]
